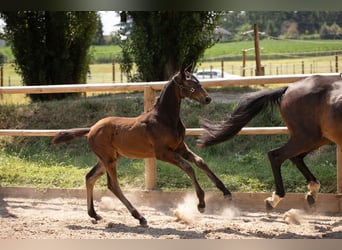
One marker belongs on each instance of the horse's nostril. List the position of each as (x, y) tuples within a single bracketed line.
[(208, 99)]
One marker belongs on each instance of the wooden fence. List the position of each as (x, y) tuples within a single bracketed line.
[(150, 89)]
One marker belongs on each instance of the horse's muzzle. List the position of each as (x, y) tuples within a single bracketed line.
[(207, 99)]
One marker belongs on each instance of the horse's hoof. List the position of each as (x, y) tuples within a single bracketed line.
[(201, 208), (143, 222), (310, 200), (269, 207), (228, 197), (97, 217)]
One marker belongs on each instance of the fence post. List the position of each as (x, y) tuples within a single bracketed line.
[(336, 63), (339, 168), (113, 70), (259, 70), (1, 79), (222, 68), (150, 163), (244, 63)]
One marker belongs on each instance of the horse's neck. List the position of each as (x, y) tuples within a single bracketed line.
[(168, 104)]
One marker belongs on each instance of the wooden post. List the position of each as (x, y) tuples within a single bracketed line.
[(150, 163), (339, 169), (244, 63), (113, 70), (336, 63), (302, 67), (1, 79), (222, 68), (258, 69)]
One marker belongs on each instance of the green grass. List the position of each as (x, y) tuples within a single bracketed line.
[(105, 54), (274, 49), (240, 163)]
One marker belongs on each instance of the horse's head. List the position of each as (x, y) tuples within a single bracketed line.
[(190, 86)]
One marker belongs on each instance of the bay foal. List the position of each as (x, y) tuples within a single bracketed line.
[(158, 133)]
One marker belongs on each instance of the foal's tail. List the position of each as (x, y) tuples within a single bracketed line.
[(249, 107), (69, 134)]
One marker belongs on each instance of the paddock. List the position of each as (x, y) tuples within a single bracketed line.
[(28, 213), (149, 89), (61, 213)]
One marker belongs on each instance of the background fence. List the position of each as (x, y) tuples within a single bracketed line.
[(111, 72), (149, 89)]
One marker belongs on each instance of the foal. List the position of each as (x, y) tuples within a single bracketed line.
[(158, 133)]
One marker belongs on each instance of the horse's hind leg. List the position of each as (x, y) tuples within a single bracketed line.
[(313, 183), (190, 156), (97, 171), (294, 149), (114, 186)]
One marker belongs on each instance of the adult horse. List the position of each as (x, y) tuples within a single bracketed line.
[(312, 110), (158, 133)]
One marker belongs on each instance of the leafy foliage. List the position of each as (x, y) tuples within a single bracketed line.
[(276, 23), (160, 42), (50, 47)]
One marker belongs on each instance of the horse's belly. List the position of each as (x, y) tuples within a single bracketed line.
[(137, 155), (135, 149)]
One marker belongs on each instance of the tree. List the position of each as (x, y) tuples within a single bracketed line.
[(50, 47), (160, 42), (98, 37)]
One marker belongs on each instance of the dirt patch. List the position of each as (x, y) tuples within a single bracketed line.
[(66, 218)]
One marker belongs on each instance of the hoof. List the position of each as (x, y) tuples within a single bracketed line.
[(96, 217), (201, 208), (272, 202), (143, 222), (228, 197), (310, 200), (269, 207)]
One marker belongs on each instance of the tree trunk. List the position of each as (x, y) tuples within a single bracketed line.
[(170, 68)]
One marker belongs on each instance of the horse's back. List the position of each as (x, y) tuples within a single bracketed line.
[(126, 135), (314, 106)]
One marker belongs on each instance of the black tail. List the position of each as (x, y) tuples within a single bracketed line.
[(249, 107), (69, 134)]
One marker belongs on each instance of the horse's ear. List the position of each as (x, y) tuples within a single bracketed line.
[(188, 68)]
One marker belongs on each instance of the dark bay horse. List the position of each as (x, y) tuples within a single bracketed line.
[(158, 133), (311, 109)]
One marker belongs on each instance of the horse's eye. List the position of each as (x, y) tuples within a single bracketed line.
[(187, 76)]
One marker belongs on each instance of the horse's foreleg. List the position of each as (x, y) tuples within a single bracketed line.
[(199, 162), (114, 186), (97, 171)]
